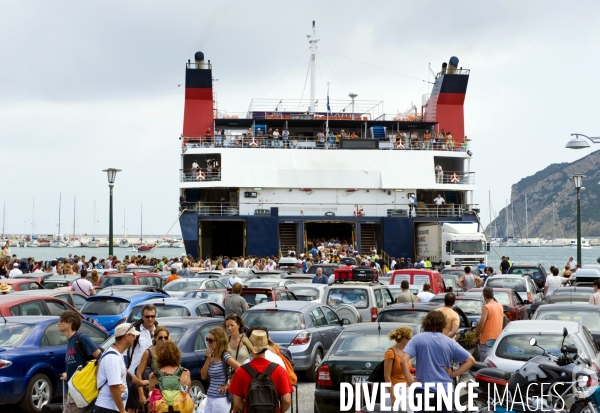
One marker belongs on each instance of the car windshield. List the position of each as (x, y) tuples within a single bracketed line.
[(12, 334), (468, 247), (306, 293), (262, 283), (532, 272), (403, 316), (516, 284), (107, 281), (357, 297), (449, 281), (303, 280), (214, 296), (275, 320), (166, 310), (469, 306), (590, 319), (50, 285), (574, 291), (502, 298), (256, 298), (183, 285), (357, 345), (326, 270), (516, 346), (105, 306)]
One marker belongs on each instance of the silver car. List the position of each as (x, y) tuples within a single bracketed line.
[(367, 299), (178, 288), (512, 350), (308, 292), (522, 284), (179, 307), (267, 283), (307, 329)]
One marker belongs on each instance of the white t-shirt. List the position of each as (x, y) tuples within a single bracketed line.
[(425, 296), (572, 265), (177, 265), (438, 201), (438, 169), (272, 357), (14, 272), (553, 283), (195, 166), (82, 286), (275, 135), (232, 280), (111, 372)]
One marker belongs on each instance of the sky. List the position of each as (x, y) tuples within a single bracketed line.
[(85, 86)]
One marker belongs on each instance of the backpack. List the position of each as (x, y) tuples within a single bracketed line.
[(168, 396), (82, 385), (262, 394)]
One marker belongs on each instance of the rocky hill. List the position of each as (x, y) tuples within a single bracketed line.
[(554, 185)]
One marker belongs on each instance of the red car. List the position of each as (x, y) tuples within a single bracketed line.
[(23, 284), (514, 308), (130, 278), (24, 304)]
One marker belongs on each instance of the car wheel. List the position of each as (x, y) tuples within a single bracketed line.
[(37, 394), (197, 392), (311, 373)]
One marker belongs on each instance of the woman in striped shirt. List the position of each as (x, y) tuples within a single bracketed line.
[(216, 367)]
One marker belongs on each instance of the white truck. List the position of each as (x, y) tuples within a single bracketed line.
[(460, 243)]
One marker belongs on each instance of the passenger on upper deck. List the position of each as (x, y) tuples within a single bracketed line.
[(208, 134), (284, 137), (449, 142), (353, 135), (276, 143), (427, 139), (320, 140)]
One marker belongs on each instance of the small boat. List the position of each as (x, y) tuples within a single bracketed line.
[(74, 243), (123, 243), (178, 244), (58, 244), (34, 244), (94, 243), (163, 245), (142, 248), (585, 244)]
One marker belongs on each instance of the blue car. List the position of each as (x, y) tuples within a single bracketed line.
[(189, 333), (32, 358), (112, 310)]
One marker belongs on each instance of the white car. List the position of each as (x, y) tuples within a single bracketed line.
[(512, 350), (308, 292), (268, 283), (178, 288)]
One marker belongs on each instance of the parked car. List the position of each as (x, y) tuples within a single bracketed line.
[(368, 299), (352, 358), (522, 284), (189, 333), (414, 313), (32, 358), (22, 305), (140, 269), (312, 292), (588, 315), (141, 288), (216, 296), (22, 284), (300, 278), (537, 273), (178, 288), (306, 329), (112, 310), (471, 304), (512, 350), (516, 309), (269, 274), (289, 264), (416, 277), (58, 281), (35, 276), (72, 298), (179, 307), (585, 276), (255, 296), (117, 279), (268, 283), (450, 280)]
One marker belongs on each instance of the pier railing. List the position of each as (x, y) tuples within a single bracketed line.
[(331, 210), (312, 142)]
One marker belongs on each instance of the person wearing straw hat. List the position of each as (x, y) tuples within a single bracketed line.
[(4, 288), (257, 345)]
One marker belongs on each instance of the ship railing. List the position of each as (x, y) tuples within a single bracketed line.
[(199, 175), (203, 65), (460, 71), (455, 178), (331, 210), (312, 142)]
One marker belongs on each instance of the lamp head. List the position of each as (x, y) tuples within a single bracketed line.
[(352, 95), (577, 143), (578, 179), (112, 174)]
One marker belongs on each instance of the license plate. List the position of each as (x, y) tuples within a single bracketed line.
[(359, 379)]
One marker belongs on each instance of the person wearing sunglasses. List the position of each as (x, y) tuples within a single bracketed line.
[(148, 363), (216, 367)]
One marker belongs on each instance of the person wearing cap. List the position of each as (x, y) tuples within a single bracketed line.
[(258, 344), (111, 378), (4, 288), (15, 272)]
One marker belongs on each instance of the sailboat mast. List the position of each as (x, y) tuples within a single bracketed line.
[(490, 208), (94, 236), (512, 216), (59, 207), (3, 219), (74, 208), (32, 219), (124, 234), (526, 221), (141, 221), (507, 220), (553, 222)]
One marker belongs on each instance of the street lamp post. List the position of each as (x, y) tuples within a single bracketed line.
[(112, 174), (578, 179)]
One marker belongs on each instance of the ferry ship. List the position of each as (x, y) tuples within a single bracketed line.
[(250, 193)]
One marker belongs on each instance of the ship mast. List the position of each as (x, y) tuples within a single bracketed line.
[(312, 39)]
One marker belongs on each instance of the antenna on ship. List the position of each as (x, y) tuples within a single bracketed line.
[(312, 39)]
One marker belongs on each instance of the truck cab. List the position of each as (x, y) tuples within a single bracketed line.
[(459, 243)]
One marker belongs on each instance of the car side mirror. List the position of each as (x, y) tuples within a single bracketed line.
[(506, 309), (490, 343), (526, 302), (474, 324), (345, 322)]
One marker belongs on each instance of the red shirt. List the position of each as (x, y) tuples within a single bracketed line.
[(241, 379)]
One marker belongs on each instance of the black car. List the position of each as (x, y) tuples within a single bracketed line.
[(536, 272), (328, 269), (414, 313), (189, 333), (352, 358), (573, 294)]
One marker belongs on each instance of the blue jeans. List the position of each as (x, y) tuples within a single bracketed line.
[(484, 351)]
